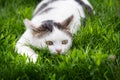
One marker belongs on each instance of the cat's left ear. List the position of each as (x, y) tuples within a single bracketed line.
[(65, 23)]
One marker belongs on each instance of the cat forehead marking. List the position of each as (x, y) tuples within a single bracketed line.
[(57, 34)]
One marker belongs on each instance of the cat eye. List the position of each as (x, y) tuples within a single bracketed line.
[(64, 41), (49, 42)]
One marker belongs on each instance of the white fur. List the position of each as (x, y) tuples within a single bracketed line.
[(62, 10), (57, 37)]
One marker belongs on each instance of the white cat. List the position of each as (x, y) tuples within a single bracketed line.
[(53, 24)]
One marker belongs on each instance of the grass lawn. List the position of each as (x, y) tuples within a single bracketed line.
[(94, 55)]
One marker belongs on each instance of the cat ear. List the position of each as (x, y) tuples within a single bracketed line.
[(28, 24), (31, 26), (66, 22)]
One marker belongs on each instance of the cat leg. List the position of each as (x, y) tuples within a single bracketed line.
[(23, 49)]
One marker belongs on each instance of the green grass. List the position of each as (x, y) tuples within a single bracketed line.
[(95, 54)]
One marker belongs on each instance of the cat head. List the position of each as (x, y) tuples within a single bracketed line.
[(55, 35), (58, 41)]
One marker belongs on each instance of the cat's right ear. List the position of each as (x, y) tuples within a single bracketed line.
[(28, 24)]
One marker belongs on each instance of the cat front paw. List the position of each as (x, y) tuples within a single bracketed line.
[(27, 51), (33, 58)]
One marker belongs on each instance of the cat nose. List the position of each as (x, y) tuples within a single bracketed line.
[(58, 51)]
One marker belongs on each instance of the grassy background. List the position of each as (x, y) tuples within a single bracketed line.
[(95, 54)]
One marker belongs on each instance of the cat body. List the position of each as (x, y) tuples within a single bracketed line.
[(53, 24)]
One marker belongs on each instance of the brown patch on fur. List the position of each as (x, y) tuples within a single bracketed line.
[(40, 34), (40, 31), (44, 5), (45, 11), (68, 33), (89, 9), (66, 22), (47, 27)]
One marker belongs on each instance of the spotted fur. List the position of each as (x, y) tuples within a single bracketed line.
[(53, 24)]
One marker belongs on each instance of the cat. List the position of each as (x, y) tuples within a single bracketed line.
[(53, 24)]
